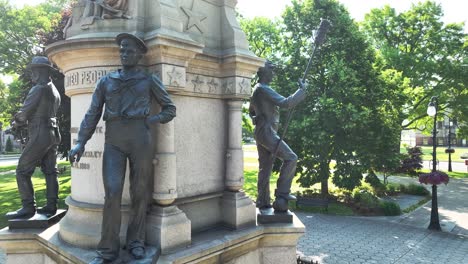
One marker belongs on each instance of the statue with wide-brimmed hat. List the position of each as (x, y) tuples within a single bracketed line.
[(38, 113)]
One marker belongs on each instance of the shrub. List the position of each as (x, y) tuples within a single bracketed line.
[(377, 186), (416, 190), (368, 200), (9, 145), (364, 188), (390, 208), (411, 162), (403, 188), (392, 188), (364, 196)]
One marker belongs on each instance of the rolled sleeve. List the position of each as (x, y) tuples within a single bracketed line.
[(168, 109)]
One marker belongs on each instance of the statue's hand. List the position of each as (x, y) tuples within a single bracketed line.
[(151, 120), (77, 152), (303, 85)]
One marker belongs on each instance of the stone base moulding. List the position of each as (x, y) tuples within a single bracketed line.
[(81, 226), (168, 228), (238, 210), (265, 244)]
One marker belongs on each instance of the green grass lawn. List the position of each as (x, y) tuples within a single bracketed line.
[(10, 200), (440, 153), (453, 174)]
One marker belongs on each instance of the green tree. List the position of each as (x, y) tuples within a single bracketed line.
[(348, 116), (20, 34), (431, 55), (24, 33), (263, 35)]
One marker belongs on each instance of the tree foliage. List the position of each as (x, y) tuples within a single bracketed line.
[(263, 35), (431, 55), (349, 115), (24, 33)]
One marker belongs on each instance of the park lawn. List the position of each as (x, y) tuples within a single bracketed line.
[(453, 174), (250, 184), (9, 196), (440, 153)]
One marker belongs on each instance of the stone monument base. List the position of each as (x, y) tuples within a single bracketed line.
[(273, 243)]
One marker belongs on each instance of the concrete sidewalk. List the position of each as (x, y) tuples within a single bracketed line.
[(453, 207), (337, 239)]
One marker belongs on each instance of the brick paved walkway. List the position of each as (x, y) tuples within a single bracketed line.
[(338, 239)]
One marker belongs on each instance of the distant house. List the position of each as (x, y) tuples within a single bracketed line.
[(4, 138), (442, 136)]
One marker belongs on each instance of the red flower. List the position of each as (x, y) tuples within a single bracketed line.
[(434, 178)]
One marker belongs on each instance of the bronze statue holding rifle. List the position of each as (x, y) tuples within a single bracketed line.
[(38, 113), (264, 110), (264, 106)]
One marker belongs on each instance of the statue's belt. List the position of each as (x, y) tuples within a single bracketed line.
[(125, 118)]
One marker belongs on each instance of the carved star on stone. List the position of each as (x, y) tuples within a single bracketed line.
[(197, 84), (194, 19), (230, 87), (244, 86), (175, 77), (213, 86)]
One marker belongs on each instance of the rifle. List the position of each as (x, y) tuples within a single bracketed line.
[(318, 41), (18, 132)]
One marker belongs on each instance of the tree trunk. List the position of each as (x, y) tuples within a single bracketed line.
[(434, 224), (325, 170), (324, 188)]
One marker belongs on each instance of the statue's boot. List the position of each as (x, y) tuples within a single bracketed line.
[(286, 195), (138, 252), (51, 194), (99, 260), (25, 188), (27, 211), (49, 209)]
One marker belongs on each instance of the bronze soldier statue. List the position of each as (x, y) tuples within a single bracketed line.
[(39, 114), (126, 95), (264, 110)]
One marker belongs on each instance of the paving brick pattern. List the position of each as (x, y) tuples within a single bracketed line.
[(338, 239)]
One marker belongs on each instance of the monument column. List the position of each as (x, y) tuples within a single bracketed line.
[(238, 208), (234, 156), (167, 226)]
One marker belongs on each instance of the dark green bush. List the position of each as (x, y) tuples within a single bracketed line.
[(416, 190), (368, 200), (390, 208), (9, 145), (365, 197), (377, 186), (403, 188), (392, 188)]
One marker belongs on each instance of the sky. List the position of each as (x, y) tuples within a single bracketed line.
[(455, 10)]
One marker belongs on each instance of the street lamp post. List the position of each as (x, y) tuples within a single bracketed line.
[(432, 111), (450, 145)]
